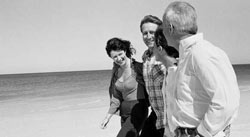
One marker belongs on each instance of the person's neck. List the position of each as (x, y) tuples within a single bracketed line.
[(150, 49), (176, 45), (126, 65), (166, 62), (185, 36)]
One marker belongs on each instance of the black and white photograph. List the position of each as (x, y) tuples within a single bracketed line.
[(124, 68)]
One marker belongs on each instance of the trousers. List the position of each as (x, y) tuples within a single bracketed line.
[(192, 132), (149, 129), (133, 116)]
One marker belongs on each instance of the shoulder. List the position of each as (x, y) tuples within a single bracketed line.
[(137, 64), (204, 49), (138, 69)]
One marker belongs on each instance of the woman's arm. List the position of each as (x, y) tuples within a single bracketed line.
[(114, 107), (106, 120)]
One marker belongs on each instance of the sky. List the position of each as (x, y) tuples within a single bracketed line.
[(71, 35)]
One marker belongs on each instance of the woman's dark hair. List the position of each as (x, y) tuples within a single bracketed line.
[(150, 19), (160, 40), (117, 44)]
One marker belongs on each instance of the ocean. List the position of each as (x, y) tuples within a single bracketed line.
[(20, 86), (33, 85)]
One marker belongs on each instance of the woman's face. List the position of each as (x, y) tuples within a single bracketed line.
[(148, 31), (119, 57)]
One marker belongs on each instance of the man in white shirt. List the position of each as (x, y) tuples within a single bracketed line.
[(205, 97)]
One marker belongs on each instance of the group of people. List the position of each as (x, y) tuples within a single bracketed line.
[(189, 84)]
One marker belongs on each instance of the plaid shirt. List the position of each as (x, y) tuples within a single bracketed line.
[(153, 74)]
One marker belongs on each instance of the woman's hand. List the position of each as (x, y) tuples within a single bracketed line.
[(105, 121), (147, 55)]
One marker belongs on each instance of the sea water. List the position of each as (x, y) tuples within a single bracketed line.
[(17, 86)]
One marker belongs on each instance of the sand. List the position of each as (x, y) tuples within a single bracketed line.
[(78, 116)]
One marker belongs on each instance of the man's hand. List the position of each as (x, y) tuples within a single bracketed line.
[(146, 55)]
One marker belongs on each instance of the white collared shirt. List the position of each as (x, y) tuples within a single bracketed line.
[(168, 98), (205, 92)]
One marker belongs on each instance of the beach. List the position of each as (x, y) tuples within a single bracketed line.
[(77, 110)]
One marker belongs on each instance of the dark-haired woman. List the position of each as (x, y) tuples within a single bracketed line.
[(168, 56), (127, 89)]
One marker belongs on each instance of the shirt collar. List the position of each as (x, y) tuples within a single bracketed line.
[(189, 41)]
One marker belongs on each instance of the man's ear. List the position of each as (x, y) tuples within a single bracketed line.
[(171, 29)]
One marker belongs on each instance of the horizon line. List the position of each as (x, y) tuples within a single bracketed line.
[(72, 71)]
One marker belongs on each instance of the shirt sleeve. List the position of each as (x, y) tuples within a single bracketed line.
[(113, 79), (115, 102), (214, 120)]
